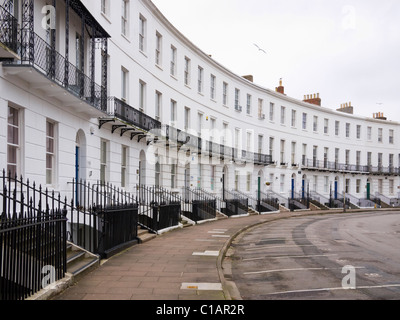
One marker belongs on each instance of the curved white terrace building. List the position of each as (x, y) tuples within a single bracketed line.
[(112, 91)]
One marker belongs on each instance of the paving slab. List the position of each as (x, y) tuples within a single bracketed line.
[(156, 270)]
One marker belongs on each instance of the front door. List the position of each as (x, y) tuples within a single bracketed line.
[(336, 190)]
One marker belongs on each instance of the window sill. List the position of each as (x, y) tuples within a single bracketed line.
[(106, 17)]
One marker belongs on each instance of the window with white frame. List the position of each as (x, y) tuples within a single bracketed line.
[(158, 105), (358, 186), (173, 61), (391, 186), (326, 156), (315, 124), (347, 130), (105, 7), (271, 111), (337, 154), (124, 84), (173, 175), (187, 118), (200, 77), (326, 184), (304, 121), (173, 113), (124, 166), (212, 128), (142, 96), (282, 183), (293, 154), (337, 128), (237, 99), (369, 133), (248, 181), (50, 152), (391, 162), (125, 17), (142, 33), (13, 141), (158, 55), (249, 142), (358, 132), (225, 94), (199, 123), (282, 152), (271, 146), (294, 114), (103, 160), (248, 104), (369, 158), (187, 71), (283, 115), (326, 126), (236, 180), (212, 87), (261, 114), (380, 135), (347, 185), (391, 136), (260, 144)]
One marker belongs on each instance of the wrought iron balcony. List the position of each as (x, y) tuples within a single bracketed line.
[(132, 116), (324, 165), (127, 118), (8, 35), (50, 63)]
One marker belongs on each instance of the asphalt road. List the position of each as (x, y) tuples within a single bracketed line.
[(351, 256)]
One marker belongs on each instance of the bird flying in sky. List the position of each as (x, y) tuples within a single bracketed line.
[(259, 49)]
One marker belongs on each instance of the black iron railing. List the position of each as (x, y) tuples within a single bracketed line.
[(8, 30), (158, 208), (235, 204), (123, 111), (44, 58), (101, 217), (33, 238), (198, 205)]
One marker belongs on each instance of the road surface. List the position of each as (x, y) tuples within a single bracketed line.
[(345, 256)]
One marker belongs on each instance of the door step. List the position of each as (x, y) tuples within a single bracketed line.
[(145, 235), (80, 261)]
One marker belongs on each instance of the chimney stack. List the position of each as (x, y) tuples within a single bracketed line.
[(281, 88), (313, 99), (346, 108), (379, 116)]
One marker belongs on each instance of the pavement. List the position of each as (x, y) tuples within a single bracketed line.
[(183, 264)]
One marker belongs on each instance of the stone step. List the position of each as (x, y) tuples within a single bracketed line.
[(145, 235), (80, 261)]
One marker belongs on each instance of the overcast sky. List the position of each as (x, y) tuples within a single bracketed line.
[(348, 51)]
